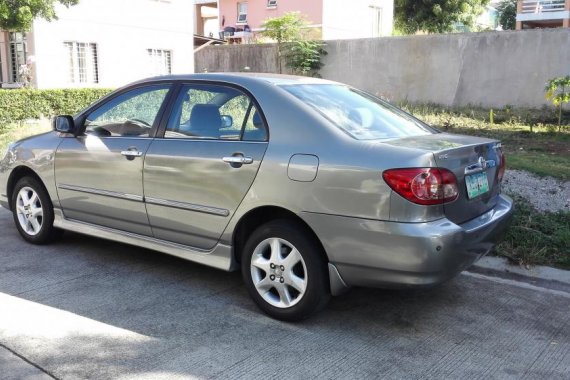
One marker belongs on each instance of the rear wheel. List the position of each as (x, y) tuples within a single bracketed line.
[(284, 271), (33, 212)]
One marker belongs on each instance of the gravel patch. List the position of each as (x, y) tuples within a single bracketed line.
[(545, 194)]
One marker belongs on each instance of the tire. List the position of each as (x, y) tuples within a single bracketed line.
[(285, 271), (33, 212)]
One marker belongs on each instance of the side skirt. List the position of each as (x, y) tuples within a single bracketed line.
[(219, 257)]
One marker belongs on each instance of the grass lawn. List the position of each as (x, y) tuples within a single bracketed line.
[(537, 238), (534, 238)]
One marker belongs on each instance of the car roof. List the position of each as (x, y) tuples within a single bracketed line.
[(242, 78)]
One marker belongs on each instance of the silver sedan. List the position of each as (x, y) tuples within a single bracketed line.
[(309, 186)]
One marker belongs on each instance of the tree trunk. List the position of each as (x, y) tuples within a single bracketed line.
[(560, 117), (279, 58)]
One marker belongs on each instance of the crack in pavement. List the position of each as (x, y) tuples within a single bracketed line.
[(37, 366)]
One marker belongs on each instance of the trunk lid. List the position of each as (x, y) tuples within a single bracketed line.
[(475, 162)]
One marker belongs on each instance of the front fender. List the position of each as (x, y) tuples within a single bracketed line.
[(31, 156)]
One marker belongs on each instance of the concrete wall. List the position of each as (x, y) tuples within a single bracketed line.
[(123, 31), (487, 69)]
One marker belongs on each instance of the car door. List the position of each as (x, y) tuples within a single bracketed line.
[(99, 173), (197, 174)]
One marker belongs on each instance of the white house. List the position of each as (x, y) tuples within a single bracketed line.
[(101, 43)]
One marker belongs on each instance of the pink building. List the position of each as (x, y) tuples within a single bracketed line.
[(331, 19)]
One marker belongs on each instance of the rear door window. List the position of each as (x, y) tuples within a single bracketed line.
[(215, 112)]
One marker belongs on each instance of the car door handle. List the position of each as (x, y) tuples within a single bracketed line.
[(131, 154), (238, 160)]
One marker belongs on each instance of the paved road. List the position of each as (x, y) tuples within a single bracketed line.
[(86, 308)]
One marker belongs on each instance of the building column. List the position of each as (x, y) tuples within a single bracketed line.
[(519, 11), (566, 22)]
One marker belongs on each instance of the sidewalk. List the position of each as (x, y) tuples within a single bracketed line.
[(547, 277)]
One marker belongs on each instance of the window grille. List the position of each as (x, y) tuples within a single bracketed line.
[(17, 55), (82, 61), (160, 61)]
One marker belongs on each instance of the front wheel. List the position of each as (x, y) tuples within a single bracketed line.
[(284, 271), (33, 212)]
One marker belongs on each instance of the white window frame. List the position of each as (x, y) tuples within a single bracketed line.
[(160, 61), (82, 69), (242, 16), (377, 19), (271, 3)]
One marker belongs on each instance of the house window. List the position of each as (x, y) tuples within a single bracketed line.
[(82, 61), (17, 55), (271, 3), (242, 13), (160, 61), (376, 21)]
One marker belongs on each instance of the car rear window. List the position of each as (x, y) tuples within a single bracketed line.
[(359, 114)]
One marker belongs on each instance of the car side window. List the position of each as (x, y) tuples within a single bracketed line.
[(213, 112), (255, 129), (130, 114)]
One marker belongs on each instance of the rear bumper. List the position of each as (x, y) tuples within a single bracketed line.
[(374, 253)]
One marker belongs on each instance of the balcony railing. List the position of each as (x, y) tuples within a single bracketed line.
[(542, 6)]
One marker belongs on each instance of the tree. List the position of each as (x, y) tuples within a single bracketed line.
[(286, 28), (507, 13), (18, 15), (435, 16), (558, 92)]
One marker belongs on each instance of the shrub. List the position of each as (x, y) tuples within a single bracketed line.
[(558, 92), (304, 57), (21, 104)]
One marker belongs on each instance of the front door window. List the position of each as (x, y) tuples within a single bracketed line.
[(133, 113)]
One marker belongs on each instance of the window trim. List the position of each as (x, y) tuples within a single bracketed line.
[(271, 4), (239, 13), (377, 21)]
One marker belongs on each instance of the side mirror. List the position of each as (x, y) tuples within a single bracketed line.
[(227, 121), (64, 124)]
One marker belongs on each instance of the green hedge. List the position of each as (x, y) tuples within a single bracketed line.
[(21, 104)]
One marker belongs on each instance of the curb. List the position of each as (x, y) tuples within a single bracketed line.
[(548, 277)]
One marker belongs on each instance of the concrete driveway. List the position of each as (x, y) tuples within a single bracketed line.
[(88, 308)]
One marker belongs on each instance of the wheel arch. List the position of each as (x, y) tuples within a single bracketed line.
[(17, 174), (261, 215)]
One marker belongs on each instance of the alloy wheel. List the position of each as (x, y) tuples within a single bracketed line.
[(279, 272), (29, 210)]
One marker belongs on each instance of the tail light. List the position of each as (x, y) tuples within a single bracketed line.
[(424, 186), (502, 165)]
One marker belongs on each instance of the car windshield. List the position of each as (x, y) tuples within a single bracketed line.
[(359, 114)]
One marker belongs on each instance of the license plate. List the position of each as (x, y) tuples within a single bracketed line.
[(477, 184)]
